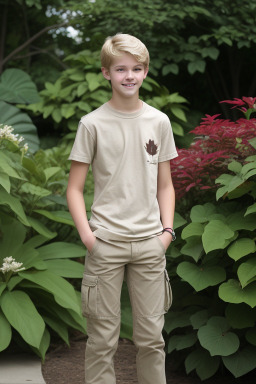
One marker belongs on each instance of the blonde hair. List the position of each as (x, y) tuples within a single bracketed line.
[(120, 43)]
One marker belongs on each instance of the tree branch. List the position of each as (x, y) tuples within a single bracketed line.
[(29, 41), (37, 52)]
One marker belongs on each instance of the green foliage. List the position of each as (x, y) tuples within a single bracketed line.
[(214, 306), (82, 88), (35, 297), (17, 87)]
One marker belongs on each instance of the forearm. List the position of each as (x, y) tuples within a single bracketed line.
[(166, 201), (77, 210)]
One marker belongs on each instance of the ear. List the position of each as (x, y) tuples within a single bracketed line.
[(145, 72), (105, 73)]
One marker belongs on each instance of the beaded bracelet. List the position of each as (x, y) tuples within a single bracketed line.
[(171, 231)]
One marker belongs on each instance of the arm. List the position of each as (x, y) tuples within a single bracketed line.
[(166, 199), (76, 204)]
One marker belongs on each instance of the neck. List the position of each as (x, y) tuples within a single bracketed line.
[(128, 105)]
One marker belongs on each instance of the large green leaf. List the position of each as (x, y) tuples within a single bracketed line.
[(14, 204), (216, 235), (201, 213), (63, 217), (5, 332), (192, 229), (16, 86), (65, 268), (41, 228), (214, 337), (21, 123), (61, 250), (177, 320), (247, 272), (236, 221), (199, 318), (179, 342), (241, 248), (232, 292), (201, 277), (204, 364), (179, 221), (58, 326), (241, 362), (62, 291), (251, 209), (23, 316), (193, 248), (2, 287)]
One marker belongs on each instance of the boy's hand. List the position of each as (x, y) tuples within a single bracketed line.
[(89, 242), (166, 239)]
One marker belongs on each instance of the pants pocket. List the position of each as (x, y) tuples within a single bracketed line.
[(168, 292), (89, 293)]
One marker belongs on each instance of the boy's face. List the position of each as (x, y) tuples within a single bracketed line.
[(126, 75)]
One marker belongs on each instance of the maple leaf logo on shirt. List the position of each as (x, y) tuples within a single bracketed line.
[(152, 149)]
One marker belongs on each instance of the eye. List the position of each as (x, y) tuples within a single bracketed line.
[(119, 69), (138, 69)]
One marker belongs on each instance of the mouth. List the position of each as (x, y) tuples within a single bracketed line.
[(130, 85)]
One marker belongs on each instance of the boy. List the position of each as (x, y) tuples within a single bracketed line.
[(129, 145)]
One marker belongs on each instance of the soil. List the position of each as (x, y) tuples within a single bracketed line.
[(65, 365)]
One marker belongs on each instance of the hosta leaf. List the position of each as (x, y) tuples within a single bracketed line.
[(193, 248), (232, 292), (240, 316), (247, 271), (179, 221), (241, 362), (201, 277), (179, 342), (41, 228), (14, 204), (61, 250), (214, 337), (192, 229), (199, 318), (66, 268), (200, 360), (5, 181), (176, 320), (201, 213), (5, 332), (241, 248), (215, 236), (63, 217), (59, 327), (62, 291), (23, 316), (251, 209), (2, 287), (237, 221)]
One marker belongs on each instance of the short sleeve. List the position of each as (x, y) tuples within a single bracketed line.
[(168, 149), (84, 146)]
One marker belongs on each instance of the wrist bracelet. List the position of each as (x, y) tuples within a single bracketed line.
[(171, 231)]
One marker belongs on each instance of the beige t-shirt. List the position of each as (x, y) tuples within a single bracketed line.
[(124, 150)]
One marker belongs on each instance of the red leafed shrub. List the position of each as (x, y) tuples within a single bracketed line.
[(216, 143)]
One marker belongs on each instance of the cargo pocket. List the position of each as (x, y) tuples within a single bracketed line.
[(168, 292), (89, 294)]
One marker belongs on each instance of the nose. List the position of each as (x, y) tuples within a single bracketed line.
[(129, 74)]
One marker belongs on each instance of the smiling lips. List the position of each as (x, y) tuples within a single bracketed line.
[(129, 85)]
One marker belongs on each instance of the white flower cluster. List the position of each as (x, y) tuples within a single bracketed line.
[(6, 133), (9, 264)]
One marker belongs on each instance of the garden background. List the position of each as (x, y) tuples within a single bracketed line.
[(202, 53)]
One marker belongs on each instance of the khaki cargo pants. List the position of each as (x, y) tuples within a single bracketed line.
[(143, 262)]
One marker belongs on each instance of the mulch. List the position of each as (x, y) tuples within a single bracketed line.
[(65, 365)]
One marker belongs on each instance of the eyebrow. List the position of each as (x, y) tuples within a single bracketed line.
[(123, 66)]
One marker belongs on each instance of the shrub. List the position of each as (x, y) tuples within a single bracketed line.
[(35, 296), (212, 265), (217, 142)]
